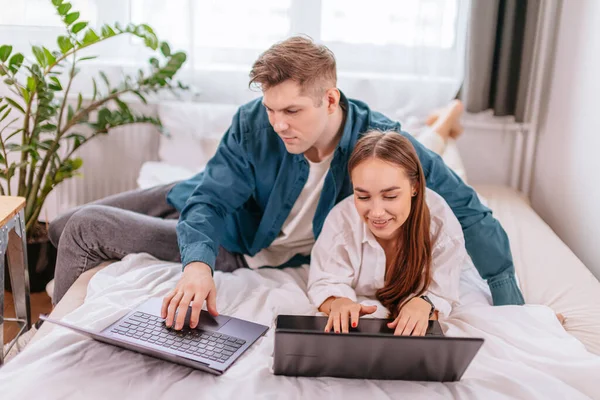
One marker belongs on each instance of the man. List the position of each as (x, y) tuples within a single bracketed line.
[(263, 197)]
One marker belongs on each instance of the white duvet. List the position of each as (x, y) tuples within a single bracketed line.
[(526, 355)]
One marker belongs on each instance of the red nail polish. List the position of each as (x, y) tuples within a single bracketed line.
[(337, 331), (354, 324)]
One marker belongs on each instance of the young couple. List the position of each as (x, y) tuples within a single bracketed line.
[(304, 164)]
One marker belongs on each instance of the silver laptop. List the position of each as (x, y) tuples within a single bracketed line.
[(213, 346)]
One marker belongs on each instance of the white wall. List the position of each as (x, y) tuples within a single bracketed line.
[(566, 180), (487, 155)]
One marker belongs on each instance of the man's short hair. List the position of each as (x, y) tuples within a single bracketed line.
[(300, 59)]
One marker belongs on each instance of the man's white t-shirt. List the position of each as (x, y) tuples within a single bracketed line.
[(296, 236)]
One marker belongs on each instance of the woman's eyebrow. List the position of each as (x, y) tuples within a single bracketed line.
[(358, 189)]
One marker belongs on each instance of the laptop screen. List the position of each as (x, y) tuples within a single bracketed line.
[(302, 323)]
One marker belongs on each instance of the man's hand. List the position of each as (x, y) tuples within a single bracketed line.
[(196, 284)]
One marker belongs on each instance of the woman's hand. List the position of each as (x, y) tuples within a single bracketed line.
[(344, 309), (413, 318)]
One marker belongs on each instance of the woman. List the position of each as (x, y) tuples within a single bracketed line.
[(393, 239)]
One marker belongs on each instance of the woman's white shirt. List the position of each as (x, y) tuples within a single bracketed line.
[(347, 261)]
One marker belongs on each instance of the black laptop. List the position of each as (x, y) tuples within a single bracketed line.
[(370, 351), (215, 344)]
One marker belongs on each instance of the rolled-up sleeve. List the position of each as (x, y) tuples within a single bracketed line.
[(224, 186)]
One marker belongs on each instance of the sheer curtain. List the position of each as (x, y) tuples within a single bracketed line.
[(400, 56)]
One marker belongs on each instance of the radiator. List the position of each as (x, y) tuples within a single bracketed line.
[(111, 165)]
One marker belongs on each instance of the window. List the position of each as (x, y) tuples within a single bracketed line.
[(39, 13), (384, 48)]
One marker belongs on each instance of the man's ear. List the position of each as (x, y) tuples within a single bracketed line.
[(332, 98)]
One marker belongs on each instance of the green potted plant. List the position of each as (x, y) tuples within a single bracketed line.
[(43, 123)]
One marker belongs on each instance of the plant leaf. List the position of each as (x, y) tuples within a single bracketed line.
[(15, 104), (70, 113), (78, 139), (46, 144), (79, 101), (39, 55), (48, 128), (15, 62), (90, 37), (77, 163), (147, 28), (87, 58), (141, 97), (78, 27), (25, 94), (105, 79), (64, 8), (107, 31), (16, 147), (50, 59), (56, 82), (64, 43), (31, 84), (165, 49), (72, 17), (3, 117), (95, 89), (5, 51), (57, 2), (13, 134)]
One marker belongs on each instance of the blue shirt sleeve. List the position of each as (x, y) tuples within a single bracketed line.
[(485, 239), (225, 185)]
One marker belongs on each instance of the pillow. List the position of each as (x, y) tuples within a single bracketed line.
[(155, 173), (195, 132)]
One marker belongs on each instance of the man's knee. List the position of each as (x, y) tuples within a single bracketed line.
[(89, 222), (56, 228)]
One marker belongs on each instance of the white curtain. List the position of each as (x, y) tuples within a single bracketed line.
[(402, 57)]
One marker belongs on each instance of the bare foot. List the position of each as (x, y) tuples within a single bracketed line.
[(446, 121), (456, 130), (431, 118)]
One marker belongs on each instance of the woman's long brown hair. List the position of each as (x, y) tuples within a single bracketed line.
[(410, 269)]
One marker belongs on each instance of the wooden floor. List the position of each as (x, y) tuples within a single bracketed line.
[(40, 304)]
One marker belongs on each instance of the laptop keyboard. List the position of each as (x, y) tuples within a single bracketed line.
[(149, 328)]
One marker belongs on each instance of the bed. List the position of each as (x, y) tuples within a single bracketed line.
[(527, 353)]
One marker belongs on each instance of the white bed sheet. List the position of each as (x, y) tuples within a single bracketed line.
[(549, 272), (527, 354)]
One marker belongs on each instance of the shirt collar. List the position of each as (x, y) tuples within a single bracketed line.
[(368, 236), (346, 139)]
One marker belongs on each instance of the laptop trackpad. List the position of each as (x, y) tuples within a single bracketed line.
[(207, 321)]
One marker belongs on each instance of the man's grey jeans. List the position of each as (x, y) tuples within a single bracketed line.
[(138, 221)]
